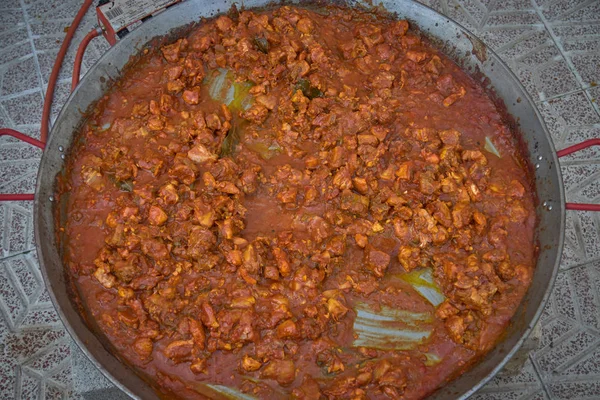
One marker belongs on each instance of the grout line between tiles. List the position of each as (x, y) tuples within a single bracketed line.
[(36, 61), (538, 375), (561, 95), (562, 51), (16, 254), (576, 8)]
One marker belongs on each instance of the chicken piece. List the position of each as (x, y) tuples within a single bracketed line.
[(354, 202), (461, 215), (171, 52), (143, 347), (408, 256), (376, 261), (250, 364), (256, 114), (450, 137), (282, 262), (156, 216), (287, 330), (283, 371), (201, 154), (224, 23), (104, 277), (169, 194), (191, 96), (446, 310), (179, 350), (318, 229)]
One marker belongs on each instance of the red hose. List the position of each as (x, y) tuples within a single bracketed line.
[(579, 146), (22, 137), (56, 69), (79, 56), (50, 92), (582, 207)]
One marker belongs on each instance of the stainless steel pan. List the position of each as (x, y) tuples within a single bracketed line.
[(450, 38)]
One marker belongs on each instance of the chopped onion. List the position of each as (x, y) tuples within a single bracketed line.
[(431, 359), (490, 148), (422, 281), (230, 393), (390, 328), (223, 88), (212, 391)]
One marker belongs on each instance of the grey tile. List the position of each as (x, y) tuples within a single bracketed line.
[(532, 40), (458, 14), (19, 76), (514, 394), (590, 226), (574, 249), (554, 331), (588, 67), (13, 36), (526, 76), (17, 228), (547, 52), (86, 377), (10, 4), (42, 11), (576, 135), (41, 317), (588, 12), (580, 181), (555, 10), (512, 5), (12, 301), (12, 150), (581, 44), (106, 394), (26, 275), (555, 123), (587, 294), (575, 109), (574, 389), (555, 78), (438, 5), (61, 94), (26, 109), (50, 360), (500, 37), (512, 18), (14, 52), (10, 19), (475, 10), (16, 171), (575, 30), (552, 359), (29, 387), (563, 294), (526, 377)]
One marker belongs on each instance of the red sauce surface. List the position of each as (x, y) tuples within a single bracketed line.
[(255, 247)]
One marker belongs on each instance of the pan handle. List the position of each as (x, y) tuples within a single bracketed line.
[(573, 149), (26, 139)]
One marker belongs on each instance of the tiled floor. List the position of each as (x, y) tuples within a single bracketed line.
[(552, 46)]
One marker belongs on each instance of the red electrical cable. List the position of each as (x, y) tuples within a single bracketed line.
[(56, 69), (49, 95), (21, 136), (79, 56), (579, 146)]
